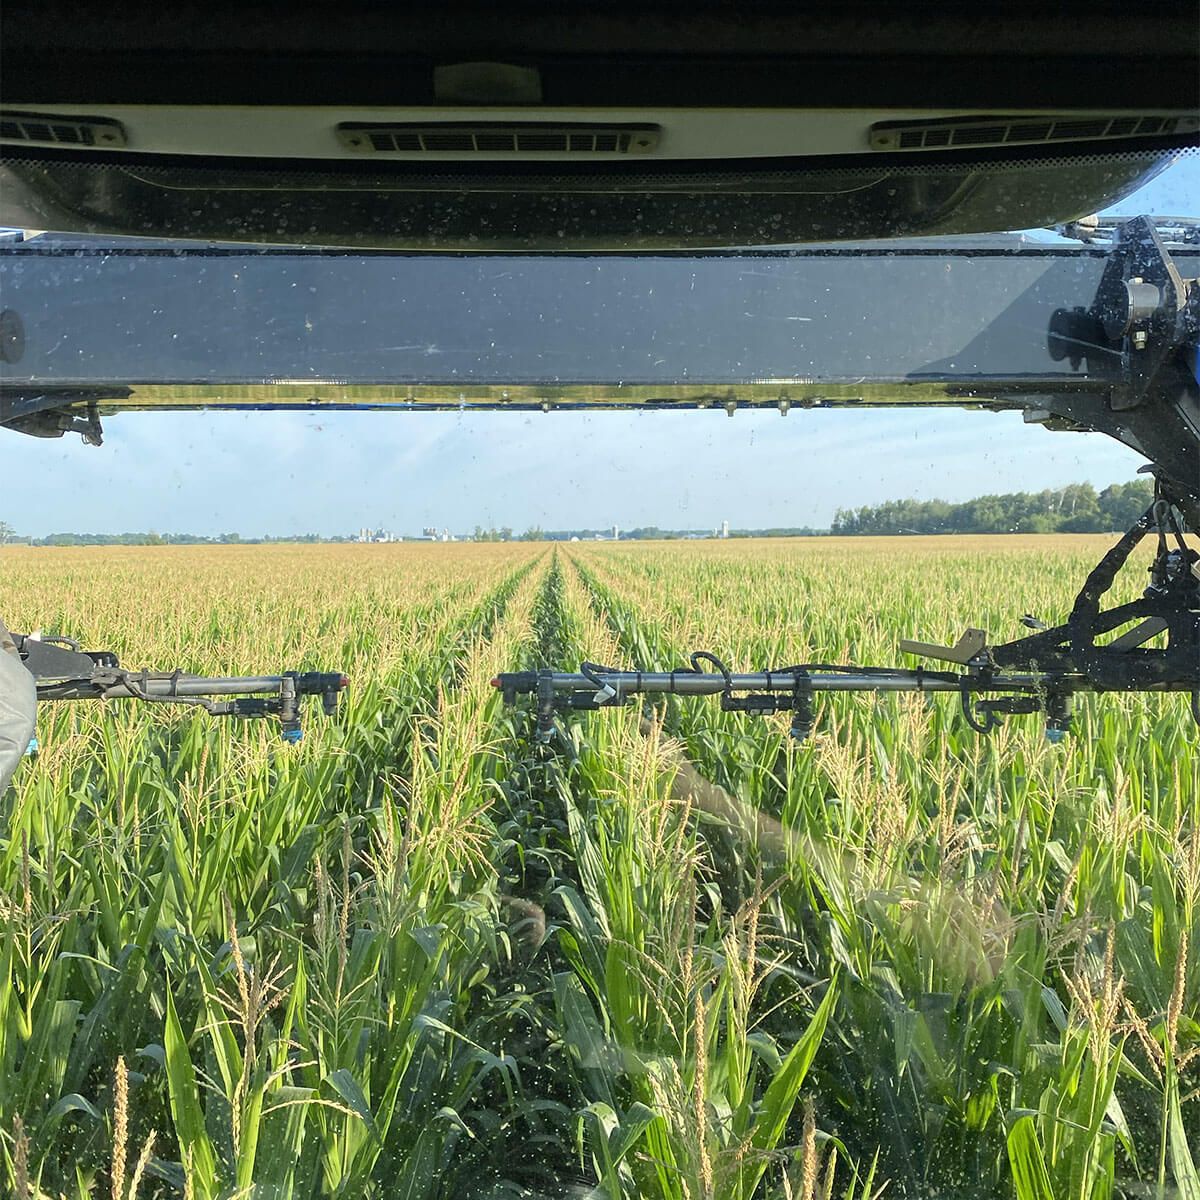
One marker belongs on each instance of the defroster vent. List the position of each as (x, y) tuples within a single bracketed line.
[(36, 129), (955, 132), (493, 138)]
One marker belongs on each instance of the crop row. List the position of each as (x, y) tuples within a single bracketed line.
[(672, 955), (1014, 926)]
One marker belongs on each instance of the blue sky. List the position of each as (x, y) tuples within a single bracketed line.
[(331, 473)]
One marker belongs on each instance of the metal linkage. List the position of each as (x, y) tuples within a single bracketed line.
[(63, 671), (1169, 606)]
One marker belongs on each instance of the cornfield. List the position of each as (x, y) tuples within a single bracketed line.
[(674, 955)]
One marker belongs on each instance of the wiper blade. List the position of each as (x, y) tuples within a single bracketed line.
[(1174, 231)]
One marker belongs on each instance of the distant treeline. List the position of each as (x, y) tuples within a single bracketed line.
[(1078, 508), (165, 539)]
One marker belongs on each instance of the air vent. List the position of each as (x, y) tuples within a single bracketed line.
[(1010, 131), (489, 138), (36, 129)]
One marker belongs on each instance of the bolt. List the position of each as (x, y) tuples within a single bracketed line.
[(730, 407), (1139, 339), (784, 405)]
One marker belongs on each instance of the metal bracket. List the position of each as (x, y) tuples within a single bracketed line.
[(54, 422), (1145, 308), (1170, 605), (1142, 329), (966, 650), (53, 660)]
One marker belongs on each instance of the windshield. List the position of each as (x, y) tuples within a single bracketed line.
[(496, 773)]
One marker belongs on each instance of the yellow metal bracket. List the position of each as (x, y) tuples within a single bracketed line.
[(967, 648)]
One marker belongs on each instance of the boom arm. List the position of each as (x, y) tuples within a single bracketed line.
[(62, 671), (1056, 328), (1041, 672)]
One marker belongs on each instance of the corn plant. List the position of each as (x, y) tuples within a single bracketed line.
[(673, 955)]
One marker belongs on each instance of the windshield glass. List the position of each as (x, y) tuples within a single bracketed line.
[(328, 869)]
